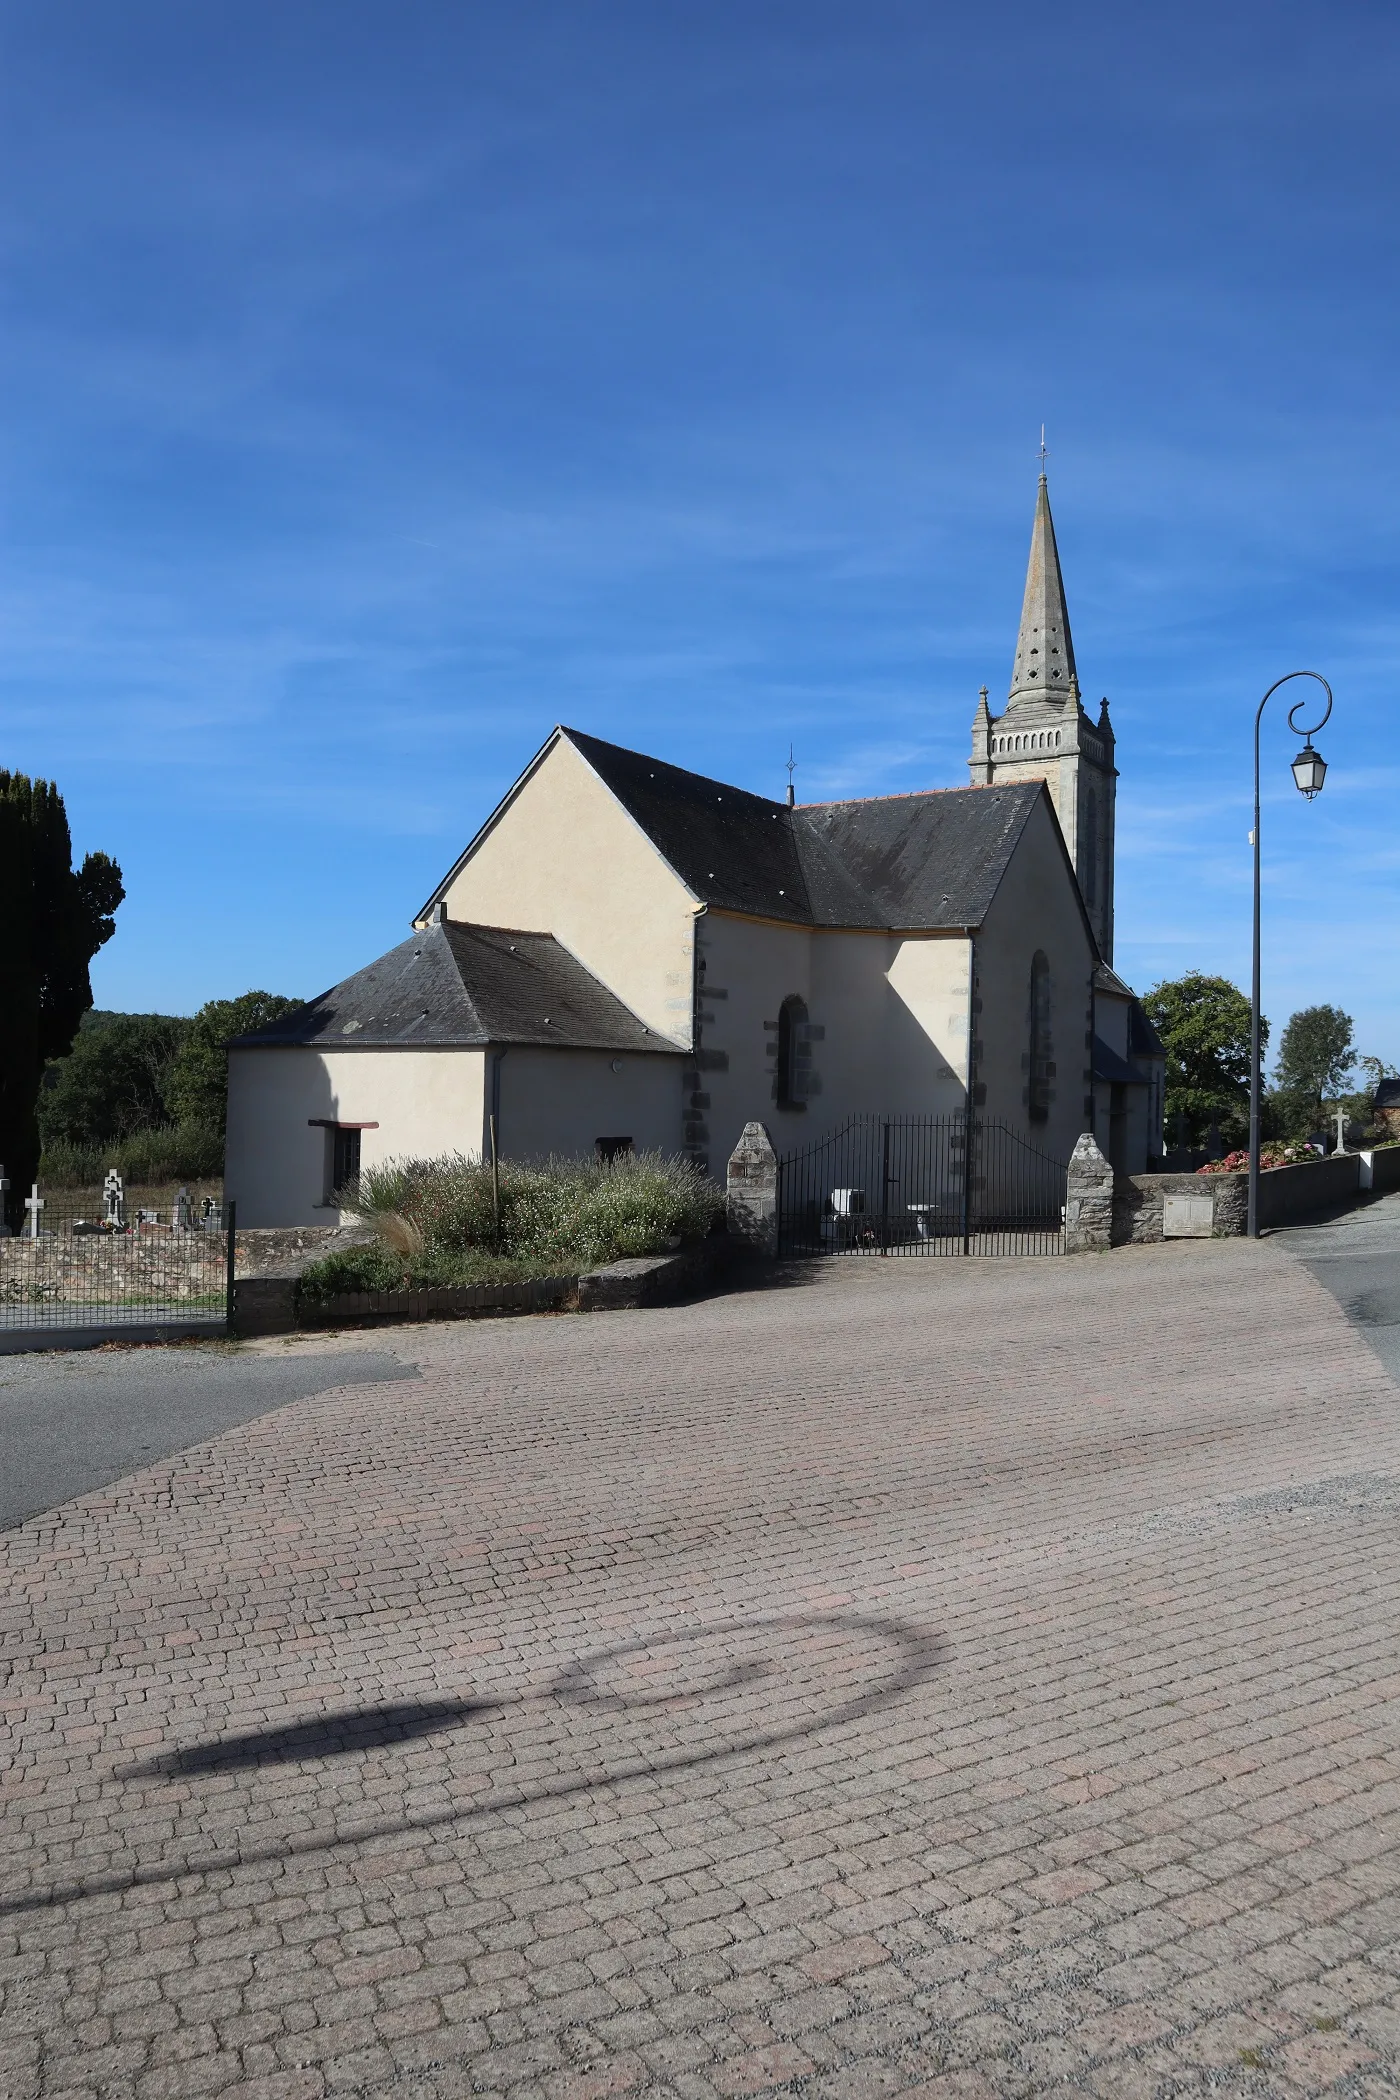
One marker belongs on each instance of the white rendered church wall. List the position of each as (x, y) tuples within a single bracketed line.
[(748, 967), (1036, 908), (931, 976), (565, 858), (563, 1101), (886, 1026), (422, 1102), (1111, 1020)]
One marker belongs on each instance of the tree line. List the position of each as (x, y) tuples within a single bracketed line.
[(1204, 1023), (145, 1093)]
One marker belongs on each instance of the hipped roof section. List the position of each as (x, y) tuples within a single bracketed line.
[(921, 862), (460, 986)]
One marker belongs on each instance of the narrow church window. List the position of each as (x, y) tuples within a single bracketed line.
[(1038, 1098), (1091, 850), (792, 1016), (345, 1157)]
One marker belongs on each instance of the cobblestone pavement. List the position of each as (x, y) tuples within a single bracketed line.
[(965, 1678)]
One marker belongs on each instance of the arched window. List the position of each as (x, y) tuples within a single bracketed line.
[(792, 1044), (1091, 849), (1041, 1069)]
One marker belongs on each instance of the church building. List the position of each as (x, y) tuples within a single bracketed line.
[(632, 955)]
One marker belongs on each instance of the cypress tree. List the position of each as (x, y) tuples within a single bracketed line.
[(53, 920)]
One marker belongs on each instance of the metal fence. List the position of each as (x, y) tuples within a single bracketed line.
[(921, 1185), (73, 1264)]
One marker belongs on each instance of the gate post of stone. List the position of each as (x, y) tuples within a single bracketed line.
[(751, 1192), (1088, 1199)]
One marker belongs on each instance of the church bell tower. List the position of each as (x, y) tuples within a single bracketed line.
[(1046, 735)]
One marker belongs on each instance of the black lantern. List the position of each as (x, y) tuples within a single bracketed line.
[(1309, 770)]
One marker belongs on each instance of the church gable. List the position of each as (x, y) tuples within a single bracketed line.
[(562, 855)]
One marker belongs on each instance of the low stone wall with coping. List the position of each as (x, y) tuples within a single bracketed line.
[(1143, 1209)]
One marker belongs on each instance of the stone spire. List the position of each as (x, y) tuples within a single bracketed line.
[(1044, 666)]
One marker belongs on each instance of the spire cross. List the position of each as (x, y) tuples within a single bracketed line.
[(791, 766), (1044, 455)]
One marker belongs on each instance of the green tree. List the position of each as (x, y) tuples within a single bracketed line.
[(1204, 1025), (197, 1090), (113, 1081), (1315, 1055), (53, 920)]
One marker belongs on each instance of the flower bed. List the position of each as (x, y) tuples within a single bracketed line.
[(1269, 1156), (437, 1224)]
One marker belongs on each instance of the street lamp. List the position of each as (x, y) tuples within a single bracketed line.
[(1309, 772)]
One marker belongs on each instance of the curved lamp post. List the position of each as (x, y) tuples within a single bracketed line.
[(1309, 771)]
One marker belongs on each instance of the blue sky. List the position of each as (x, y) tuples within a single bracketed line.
[(384, 383)]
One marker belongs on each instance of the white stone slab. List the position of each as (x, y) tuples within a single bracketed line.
[(1188, 1217)]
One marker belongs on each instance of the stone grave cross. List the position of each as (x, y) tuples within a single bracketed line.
[(113, 1199), (1341, 1130), (182, 1216), (4, 1192), (33, 1203)]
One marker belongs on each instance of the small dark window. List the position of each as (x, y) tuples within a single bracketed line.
[(1041, 1069), (345, 1157), (792, 1044), (609, 1149)]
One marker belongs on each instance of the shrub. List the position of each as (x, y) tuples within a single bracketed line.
[(380, 1268), (172, 1152), (556, 1217)]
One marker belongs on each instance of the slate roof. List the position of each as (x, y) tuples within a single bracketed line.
[(1387, 1094), (930, 860), (459, 985), (1143, 1039), (1109, 1065)]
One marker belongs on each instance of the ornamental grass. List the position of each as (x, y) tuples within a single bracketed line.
[(436, 1220)]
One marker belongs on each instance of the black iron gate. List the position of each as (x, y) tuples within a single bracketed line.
[(921, 1185)]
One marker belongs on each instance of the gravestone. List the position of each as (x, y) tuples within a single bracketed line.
[(113, 1199), (4, 1192), (182, 1215)]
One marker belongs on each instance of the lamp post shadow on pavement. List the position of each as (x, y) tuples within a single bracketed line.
[(1309, 772)]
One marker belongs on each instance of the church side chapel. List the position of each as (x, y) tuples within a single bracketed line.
[(632, 955)]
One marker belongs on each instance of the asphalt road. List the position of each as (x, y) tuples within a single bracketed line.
[(74, 1422), (1357, 1258)]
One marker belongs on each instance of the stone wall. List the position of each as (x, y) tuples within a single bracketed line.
[(1385, 1166), (1131, 1210), (101, 1269), (1286, 1194), (1138, 1204)]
